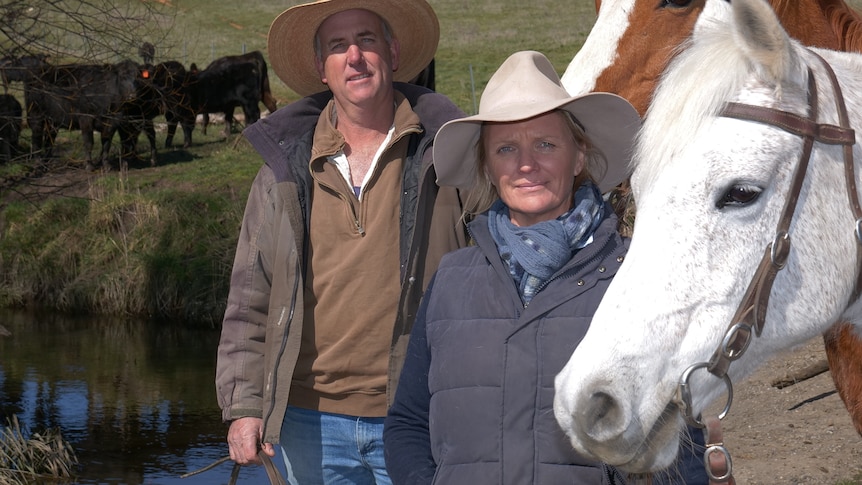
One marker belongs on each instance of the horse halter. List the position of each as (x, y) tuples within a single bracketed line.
[(751, 313)]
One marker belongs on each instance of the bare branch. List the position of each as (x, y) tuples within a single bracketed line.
[(81, 30)]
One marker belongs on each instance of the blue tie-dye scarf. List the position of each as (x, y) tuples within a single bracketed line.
[(534, 253)]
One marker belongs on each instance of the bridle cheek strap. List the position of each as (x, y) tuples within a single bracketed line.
[(751, 313)]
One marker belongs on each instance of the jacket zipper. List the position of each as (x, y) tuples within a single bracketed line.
[(287, 321), (356, 223)]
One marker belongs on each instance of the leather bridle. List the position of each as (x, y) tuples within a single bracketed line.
[(750, 316)]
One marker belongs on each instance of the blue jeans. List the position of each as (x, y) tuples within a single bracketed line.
[(323, 448)]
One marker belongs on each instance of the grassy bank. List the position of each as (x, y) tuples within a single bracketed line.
[(475, 36), (149, 241), (160, 241)]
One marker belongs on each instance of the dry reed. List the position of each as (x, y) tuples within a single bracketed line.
[(43, 457)]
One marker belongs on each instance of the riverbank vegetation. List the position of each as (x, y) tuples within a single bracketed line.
[(38, 458), (151, 241)]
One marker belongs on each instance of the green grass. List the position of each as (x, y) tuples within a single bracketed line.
[(144, 241), (856, 480), (475, 38)]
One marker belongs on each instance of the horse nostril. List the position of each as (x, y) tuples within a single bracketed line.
[(602, 417), (603, 404)]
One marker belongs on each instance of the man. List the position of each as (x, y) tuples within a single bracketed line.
[(343, 229)]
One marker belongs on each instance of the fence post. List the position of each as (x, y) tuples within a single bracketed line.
[(473, 90)]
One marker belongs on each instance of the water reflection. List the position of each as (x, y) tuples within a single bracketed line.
[(135, 398)]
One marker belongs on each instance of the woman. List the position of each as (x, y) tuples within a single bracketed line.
[(500, 319)]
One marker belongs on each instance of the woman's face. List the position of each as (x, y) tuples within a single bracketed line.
[(533, 164)]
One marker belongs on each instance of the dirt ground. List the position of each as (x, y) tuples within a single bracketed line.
[(800, 434)]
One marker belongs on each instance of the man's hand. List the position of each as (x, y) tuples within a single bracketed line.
[(244, 440)]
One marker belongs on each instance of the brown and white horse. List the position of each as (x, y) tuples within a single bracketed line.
[(632, 41), (631, 44)]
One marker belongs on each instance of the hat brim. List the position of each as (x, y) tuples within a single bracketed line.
[(290, 42), (609, 121)]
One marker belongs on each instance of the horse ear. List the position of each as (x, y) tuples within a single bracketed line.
[(764, 40)]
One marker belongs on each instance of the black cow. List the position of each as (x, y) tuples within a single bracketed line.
[(19, 69), (10, 126), (169, 96), (232, 81), (426, 77), (173, 81), (136, 114), (86, 97), (164, 92)]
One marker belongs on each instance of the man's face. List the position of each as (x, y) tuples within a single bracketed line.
[(356, 61)]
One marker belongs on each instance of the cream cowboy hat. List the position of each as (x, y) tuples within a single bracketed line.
[(291, 38), (526, 85)]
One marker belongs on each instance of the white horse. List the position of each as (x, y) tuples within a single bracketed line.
[(710, 192)]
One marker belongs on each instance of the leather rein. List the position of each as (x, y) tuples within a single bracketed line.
[(751, 313)]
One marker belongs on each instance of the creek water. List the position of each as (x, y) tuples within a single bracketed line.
[(135, 398)]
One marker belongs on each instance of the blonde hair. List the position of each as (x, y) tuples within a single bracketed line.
[(483, 194)]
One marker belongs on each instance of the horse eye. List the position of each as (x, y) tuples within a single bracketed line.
[(739, 195), (676, 3)]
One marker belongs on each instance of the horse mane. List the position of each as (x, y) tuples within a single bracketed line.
[(681, 105), (845, 22)]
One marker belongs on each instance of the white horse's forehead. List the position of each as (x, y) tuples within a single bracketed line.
[(600, 49), (724, 152)]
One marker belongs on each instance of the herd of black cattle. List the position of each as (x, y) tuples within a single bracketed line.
[(124, 98)]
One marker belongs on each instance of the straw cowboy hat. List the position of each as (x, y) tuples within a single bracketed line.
[(291, 38), (526, 85)]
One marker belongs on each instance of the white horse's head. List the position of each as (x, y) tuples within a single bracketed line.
[(709, 191)]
